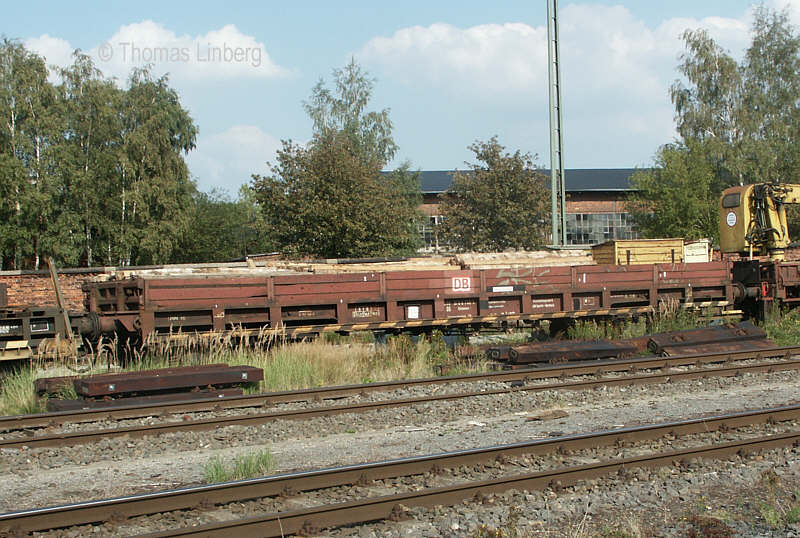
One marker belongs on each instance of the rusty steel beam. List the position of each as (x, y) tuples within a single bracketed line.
[(179, 378), (706, 335), (497, 353), (731, 345), (104, 510), (559, 352), (54, 404), (53, 385)]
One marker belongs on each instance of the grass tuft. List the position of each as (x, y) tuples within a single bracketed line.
[(243, 466), (17, 396), (783, 327), (779, 507)]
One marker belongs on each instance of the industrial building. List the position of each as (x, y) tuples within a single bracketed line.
[(595, 204)]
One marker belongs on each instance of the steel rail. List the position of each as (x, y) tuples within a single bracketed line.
[(186, 498), (312, 519), (75, 438), (41, 420)]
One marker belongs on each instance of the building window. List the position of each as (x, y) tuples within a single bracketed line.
[(429, 232), (593, 228)]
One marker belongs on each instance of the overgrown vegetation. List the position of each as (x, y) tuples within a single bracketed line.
[(17, 396), (778, 507), (286, 365), (667, 321), (784, 327), (249, 465), (358, 358)]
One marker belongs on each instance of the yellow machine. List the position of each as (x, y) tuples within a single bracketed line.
[(753, 219)]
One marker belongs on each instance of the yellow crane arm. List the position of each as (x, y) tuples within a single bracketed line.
[(753, 218)]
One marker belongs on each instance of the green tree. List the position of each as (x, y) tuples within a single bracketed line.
[(88, 154), (502, 202), (153, 193), (738, 121), (678, 197), (27, 164), (344, 109), (90, 172), (329, 198), (231, 229)]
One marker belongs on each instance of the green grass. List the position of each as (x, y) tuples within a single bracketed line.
[(290, 365), (17, 396), (666, 321), (243, 466), (783, 328)]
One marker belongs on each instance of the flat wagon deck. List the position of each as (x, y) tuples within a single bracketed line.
[(401, 300)]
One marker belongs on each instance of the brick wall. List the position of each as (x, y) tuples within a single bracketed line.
[(27, 288), (36, 289), (595, 203)]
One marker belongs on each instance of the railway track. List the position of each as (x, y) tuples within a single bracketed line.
[(31, 440), (308, 519), (597, 368)]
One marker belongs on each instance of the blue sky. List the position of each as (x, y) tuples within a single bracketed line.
[(451, 72)]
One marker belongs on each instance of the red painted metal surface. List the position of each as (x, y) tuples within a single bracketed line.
[(217, 303), (170, 379), (53, 385)]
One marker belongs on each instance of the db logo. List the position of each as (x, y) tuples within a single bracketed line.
[(461, 283)]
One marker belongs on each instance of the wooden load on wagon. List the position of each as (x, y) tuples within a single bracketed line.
[(639, 252)]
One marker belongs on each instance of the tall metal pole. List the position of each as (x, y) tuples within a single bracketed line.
[(556, 128)]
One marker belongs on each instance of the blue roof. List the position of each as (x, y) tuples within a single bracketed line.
[(577, 179)]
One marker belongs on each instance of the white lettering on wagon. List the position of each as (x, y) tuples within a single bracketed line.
[(462, 283), (543, 304)]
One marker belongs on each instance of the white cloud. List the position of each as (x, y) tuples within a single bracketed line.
[(449, 56), (224, 53), (227, 159), (601, 47), (616, 69), (791, 6), (54, 50)]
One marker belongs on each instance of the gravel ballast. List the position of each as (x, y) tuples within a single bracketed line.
[(41, 477)]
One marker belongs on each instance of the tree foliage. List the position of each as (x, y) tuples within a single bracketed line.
[(154, 193), (90, 172), (738, 120), (344, 109), (231, 229), (27, 163), (678, 197), (329, 198), (501, 202)]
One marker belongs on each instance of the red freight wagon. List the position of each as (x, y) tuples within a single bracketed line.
[(401, 300)]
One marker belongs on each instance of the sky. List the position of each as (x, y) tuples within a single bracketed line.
[(451, 73)]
